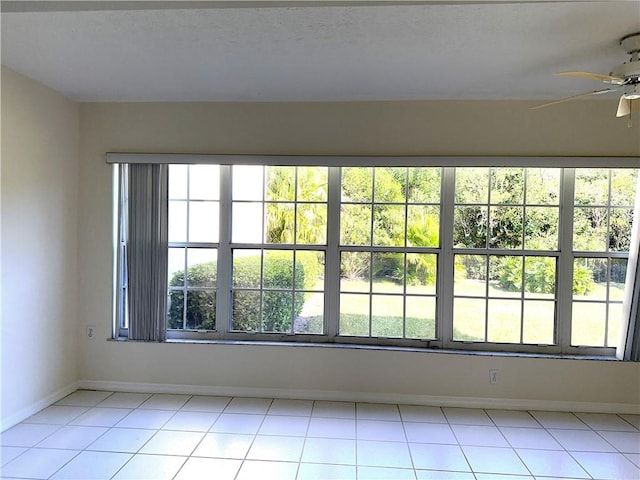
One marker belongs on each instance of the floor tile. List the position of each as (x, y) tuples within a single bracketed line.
[(38, 463), (604, 421), (624, 442), (202, 403), (494, 460), (375, 473), (607, 466), (172, 443), (420, 413), (438, 457), (191, 421), (283, 425), (224, 445), (281, 449), (208, 468), (9, 453), (322, 408), (316, 471), (440, 475), (632, 419), (152, 419), (467, 416), (84, 398), (377, 411), (26, 434), (536, 438), (124, 400), (581, 441), (383, 454), (164, 401), (252, 470), (493, 476), (124, 440), (72, 437), (479, 435), (300, 408), (564, 420), (237, 423), (248, 405), (329, 450), (151, 467), (332, 427), (634, 457), (101, 417), (551, 463), (56, 415), (512, 418), (429, 433), (380, 430), (92, 465)]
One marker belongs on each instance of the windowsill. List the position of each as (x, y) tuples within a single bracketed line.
[(379, 347)]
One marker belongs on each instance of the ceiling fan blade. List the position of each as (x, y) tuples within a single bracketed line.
[(593, 76), (624, 107), (574, 97)]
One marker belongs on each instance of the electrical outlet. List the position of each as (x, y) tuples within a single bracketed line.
[(91, 332), (493, 376)]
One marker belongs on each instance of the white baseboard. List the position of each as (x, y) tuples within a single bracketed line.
[(369, 397), (35, 407)]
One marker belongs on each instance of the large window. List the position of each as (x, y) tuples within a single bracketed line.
[(508, 258)]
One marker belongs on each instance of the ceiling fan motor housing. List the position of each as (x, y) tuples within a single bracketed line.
[(629, 72)]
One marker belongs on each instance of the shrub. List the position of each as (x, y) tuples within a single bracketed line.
[(201, 305)]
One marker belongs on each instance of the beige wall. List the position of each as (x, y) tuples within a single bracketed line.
[(403, 128), (39, 246)]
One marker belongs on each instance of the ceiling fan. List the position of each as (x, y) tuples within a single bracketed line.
[(625, 77)]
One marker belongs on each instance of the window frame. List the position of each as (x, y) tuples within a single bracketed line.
[(445, 252)]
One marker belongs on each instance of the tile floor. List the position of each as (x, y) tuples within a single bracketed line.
[(106, 435)]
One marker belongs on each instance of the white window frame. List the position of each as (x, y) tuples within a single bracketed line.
[(445, 252)]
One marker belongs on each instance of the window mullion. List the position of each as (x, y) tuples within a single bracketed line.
[(223, 283), (332, 260), (446, 268), (565, 260)]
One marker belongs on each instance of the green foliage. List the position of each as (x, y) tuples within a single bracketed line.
[(201, 305), (583, 282)]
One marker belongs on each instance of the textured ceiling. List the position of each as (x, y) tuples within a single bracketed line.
[(315, 51)]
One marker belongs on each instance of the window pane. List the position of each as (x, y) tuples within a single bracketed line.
[(178, 182), (540, 277), (201, 310), (386, 316), (469, 319), (588, 324), (623, 187), (614, 327), (280, 221), (176, 264), (355, 270), (357, 184), (202, 267), (355, 225), (543, 186), (592, 186), (246, 268), (204, 221), (470, 275), (472, 185), (311, 224), (281, 183), (278, 270), (507, 185), (177, 221), (247, 182), (388, 272), (204, 182), (312, 184), (246, 223), (421, 273), (423, 228), (424, 185), (505, 227), (590, 229), (420, 317), (311, 264), (175, 309), (590, 279), (617, 276), (470, 227), (505, 276), (245, 314), (504, 321), (277, 311), (539, 322), (310, 320), (541, 228), (390, 185), (620, 229), (388, 225), (354, 314)]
